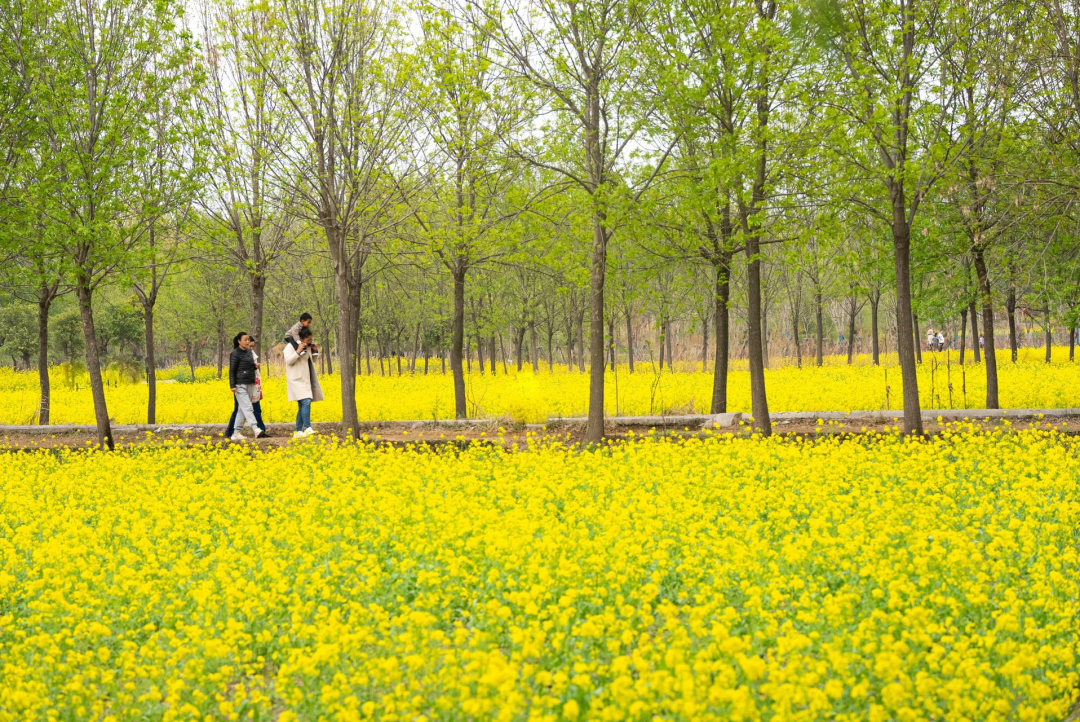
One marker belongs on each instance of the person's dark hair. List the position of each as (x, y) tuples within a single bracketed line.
[(237, 337), (305, 317), (305, 332)]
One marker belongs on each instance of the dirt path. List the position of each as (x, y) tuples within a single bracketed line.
[(400, 434)]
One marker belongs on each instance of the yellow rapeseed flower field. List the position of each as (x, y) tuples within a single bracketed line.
[(529, 397), (717, 578)]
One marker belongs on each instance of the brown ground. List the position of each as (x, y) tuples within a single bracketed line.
[(510, 436)]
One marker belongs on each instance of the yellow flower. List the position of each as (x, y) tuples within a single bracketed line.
[(530, 397), (707, 578)]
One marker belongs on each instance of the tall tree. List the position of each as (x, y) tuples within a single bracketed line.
[(990, 74), (343, 81), (97, 93), (892, 130), (169, 172), (735, 87), (38, 272), (470, 111), (580, 57)]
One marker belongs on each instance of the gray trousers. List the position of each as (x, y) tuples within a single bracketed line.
[(246, 414)]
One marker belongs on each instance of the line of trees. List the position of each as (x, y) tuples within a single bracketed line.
[(457, 178)]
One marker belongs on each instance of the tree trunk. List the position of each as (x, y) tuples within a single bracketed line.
[(669, 336), (258, 304), (415, 349), (597, 277), (975, 350), (45, 299), (151, 365), (1010, 306), (660, 344), (347, 291), (581, 343), (570, 342), (795, 333), (819, 331), (917, 336), (660, 341), (492, 354), (361, 349), (905, 347), (611, 340), (93, 360), (519, 344), (1049, 334), (457, 336), (534, 347), (1072, 342), (875, 347), (705, 342), (190, 348), (963, 333), (629, 339), (221, 348), (759, 403), (551, 348), (765, 334), (851, 331)]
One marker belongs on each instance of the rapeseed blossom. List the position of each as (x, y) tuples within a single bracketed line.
[(527, 397), (711, 578)]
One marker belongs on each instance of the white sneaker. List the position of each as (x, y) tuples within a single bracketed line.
[(236, 437), (298, 434), (259, 433), (310, 431)]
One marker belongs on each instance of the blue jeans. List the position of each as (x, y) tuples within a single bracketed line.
[(303, 414), (235, 408)]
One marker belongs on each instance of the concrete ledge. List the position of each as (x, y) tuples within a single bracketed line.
[(998, 413), (673, 420), (279, 425), (733, 419), (692, 420)]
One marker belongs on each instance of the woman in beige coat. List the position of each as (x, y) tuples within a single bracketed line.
[(302, 381)]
